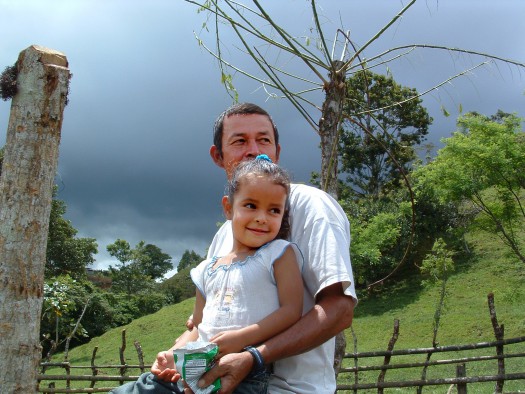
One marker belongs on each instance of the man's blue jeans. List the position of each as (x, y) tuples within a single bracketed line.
[(148, 383)]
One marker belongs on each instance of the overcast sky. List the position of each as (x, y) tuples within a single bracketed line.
[(134, 160)]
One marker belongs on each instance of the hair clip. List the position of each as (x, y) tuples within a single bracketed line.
[(263, 157)]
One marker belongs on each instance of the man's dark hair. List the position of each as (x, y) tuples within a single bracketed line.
[(239, 109)]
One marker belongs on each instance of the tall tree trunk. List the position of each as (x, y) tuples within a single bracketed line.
[(26, 184), (329, 123), (329, 131)]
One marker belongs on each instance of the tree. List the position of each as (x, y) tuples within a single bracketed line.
[(377, 128), (127, 277), (63, 297), (26, 187), (180, 286), (138, 267), (380, 233), (189, 259), (152, 260), (76, 310), (328, 69), (330, 72), (480, 165), (300, 69), (66, 254)]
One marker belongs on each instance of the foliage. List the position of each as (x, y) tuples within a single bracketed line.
[(138, 267), (67, 299), (189, 259), (67, 292), (180, 286), (436, 219), (64, 300), (382, 230), (66, 254), (438, 264), (380, 234), (478, 167), (380, 116), (155, 332), (8, 86), (125, 308), (383, 123), (153, 262)]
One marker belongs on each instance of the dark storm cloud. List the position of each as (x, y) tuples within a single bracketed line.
[(134, 160)]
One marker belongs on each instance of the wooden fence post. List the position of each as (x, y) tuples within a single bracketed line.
[(26, 185), (461, 372), (386, 360), (499, 333)]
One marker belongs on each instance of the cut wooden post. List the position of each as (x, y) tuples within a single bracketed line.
[(26, 185)]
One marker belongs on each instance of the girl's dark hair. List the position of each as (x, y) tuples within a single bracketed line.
[(271, 171)]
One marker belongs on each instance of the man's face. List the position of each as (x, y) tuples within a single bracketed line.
[(243, 138)]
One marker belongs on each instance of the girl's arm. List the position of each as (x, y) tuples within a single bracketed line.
[(290, 291), (193, 334), (164, 365)]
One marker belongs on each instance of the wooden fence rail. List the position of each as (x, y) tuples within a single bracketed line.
[(362, 376), (460, 378)]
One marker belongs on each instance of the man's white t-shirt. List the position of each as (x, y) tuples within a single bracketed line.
[(321, 230)]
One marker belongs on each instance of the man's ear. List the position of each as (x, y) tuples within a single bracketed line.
[(216, 156), (227, 207)]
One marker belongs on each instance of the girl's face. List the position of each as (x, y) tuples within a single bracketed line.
[(257, 211)]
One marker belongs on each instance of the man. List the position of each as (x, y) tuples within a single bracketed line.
[(303, 354)]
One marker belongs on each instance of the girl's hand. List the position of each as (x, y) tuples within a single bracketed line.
[(164, 367), (228, 342)]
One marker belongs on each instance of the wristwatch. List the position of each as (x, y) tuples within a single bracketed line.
[(258, 361)]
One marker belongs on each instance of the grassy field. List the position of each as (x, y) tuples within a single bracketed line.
[(465, 319)]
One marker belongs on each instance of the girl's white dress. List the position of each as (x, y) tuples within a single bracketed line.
[(242, 293)]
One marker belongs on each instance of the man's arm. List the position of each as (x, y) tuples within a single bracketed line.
[(332, 313)]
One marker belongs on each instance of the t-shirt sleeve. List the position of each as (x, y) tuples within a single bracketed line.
[(197, 276), (321, 230), (222, 242)]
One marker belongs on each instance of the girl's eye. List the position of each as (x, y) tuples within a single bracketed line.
[(275, 211), (250, 206)]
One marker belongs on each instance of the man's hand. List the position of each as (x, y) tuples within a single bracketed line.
[(231, 369), (164, 367)]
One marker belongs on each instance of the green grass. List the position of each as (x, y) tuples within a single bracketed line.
[(466, 319)]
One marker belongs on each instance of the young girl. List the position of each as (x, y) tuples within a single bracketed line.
[(255, 291)]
